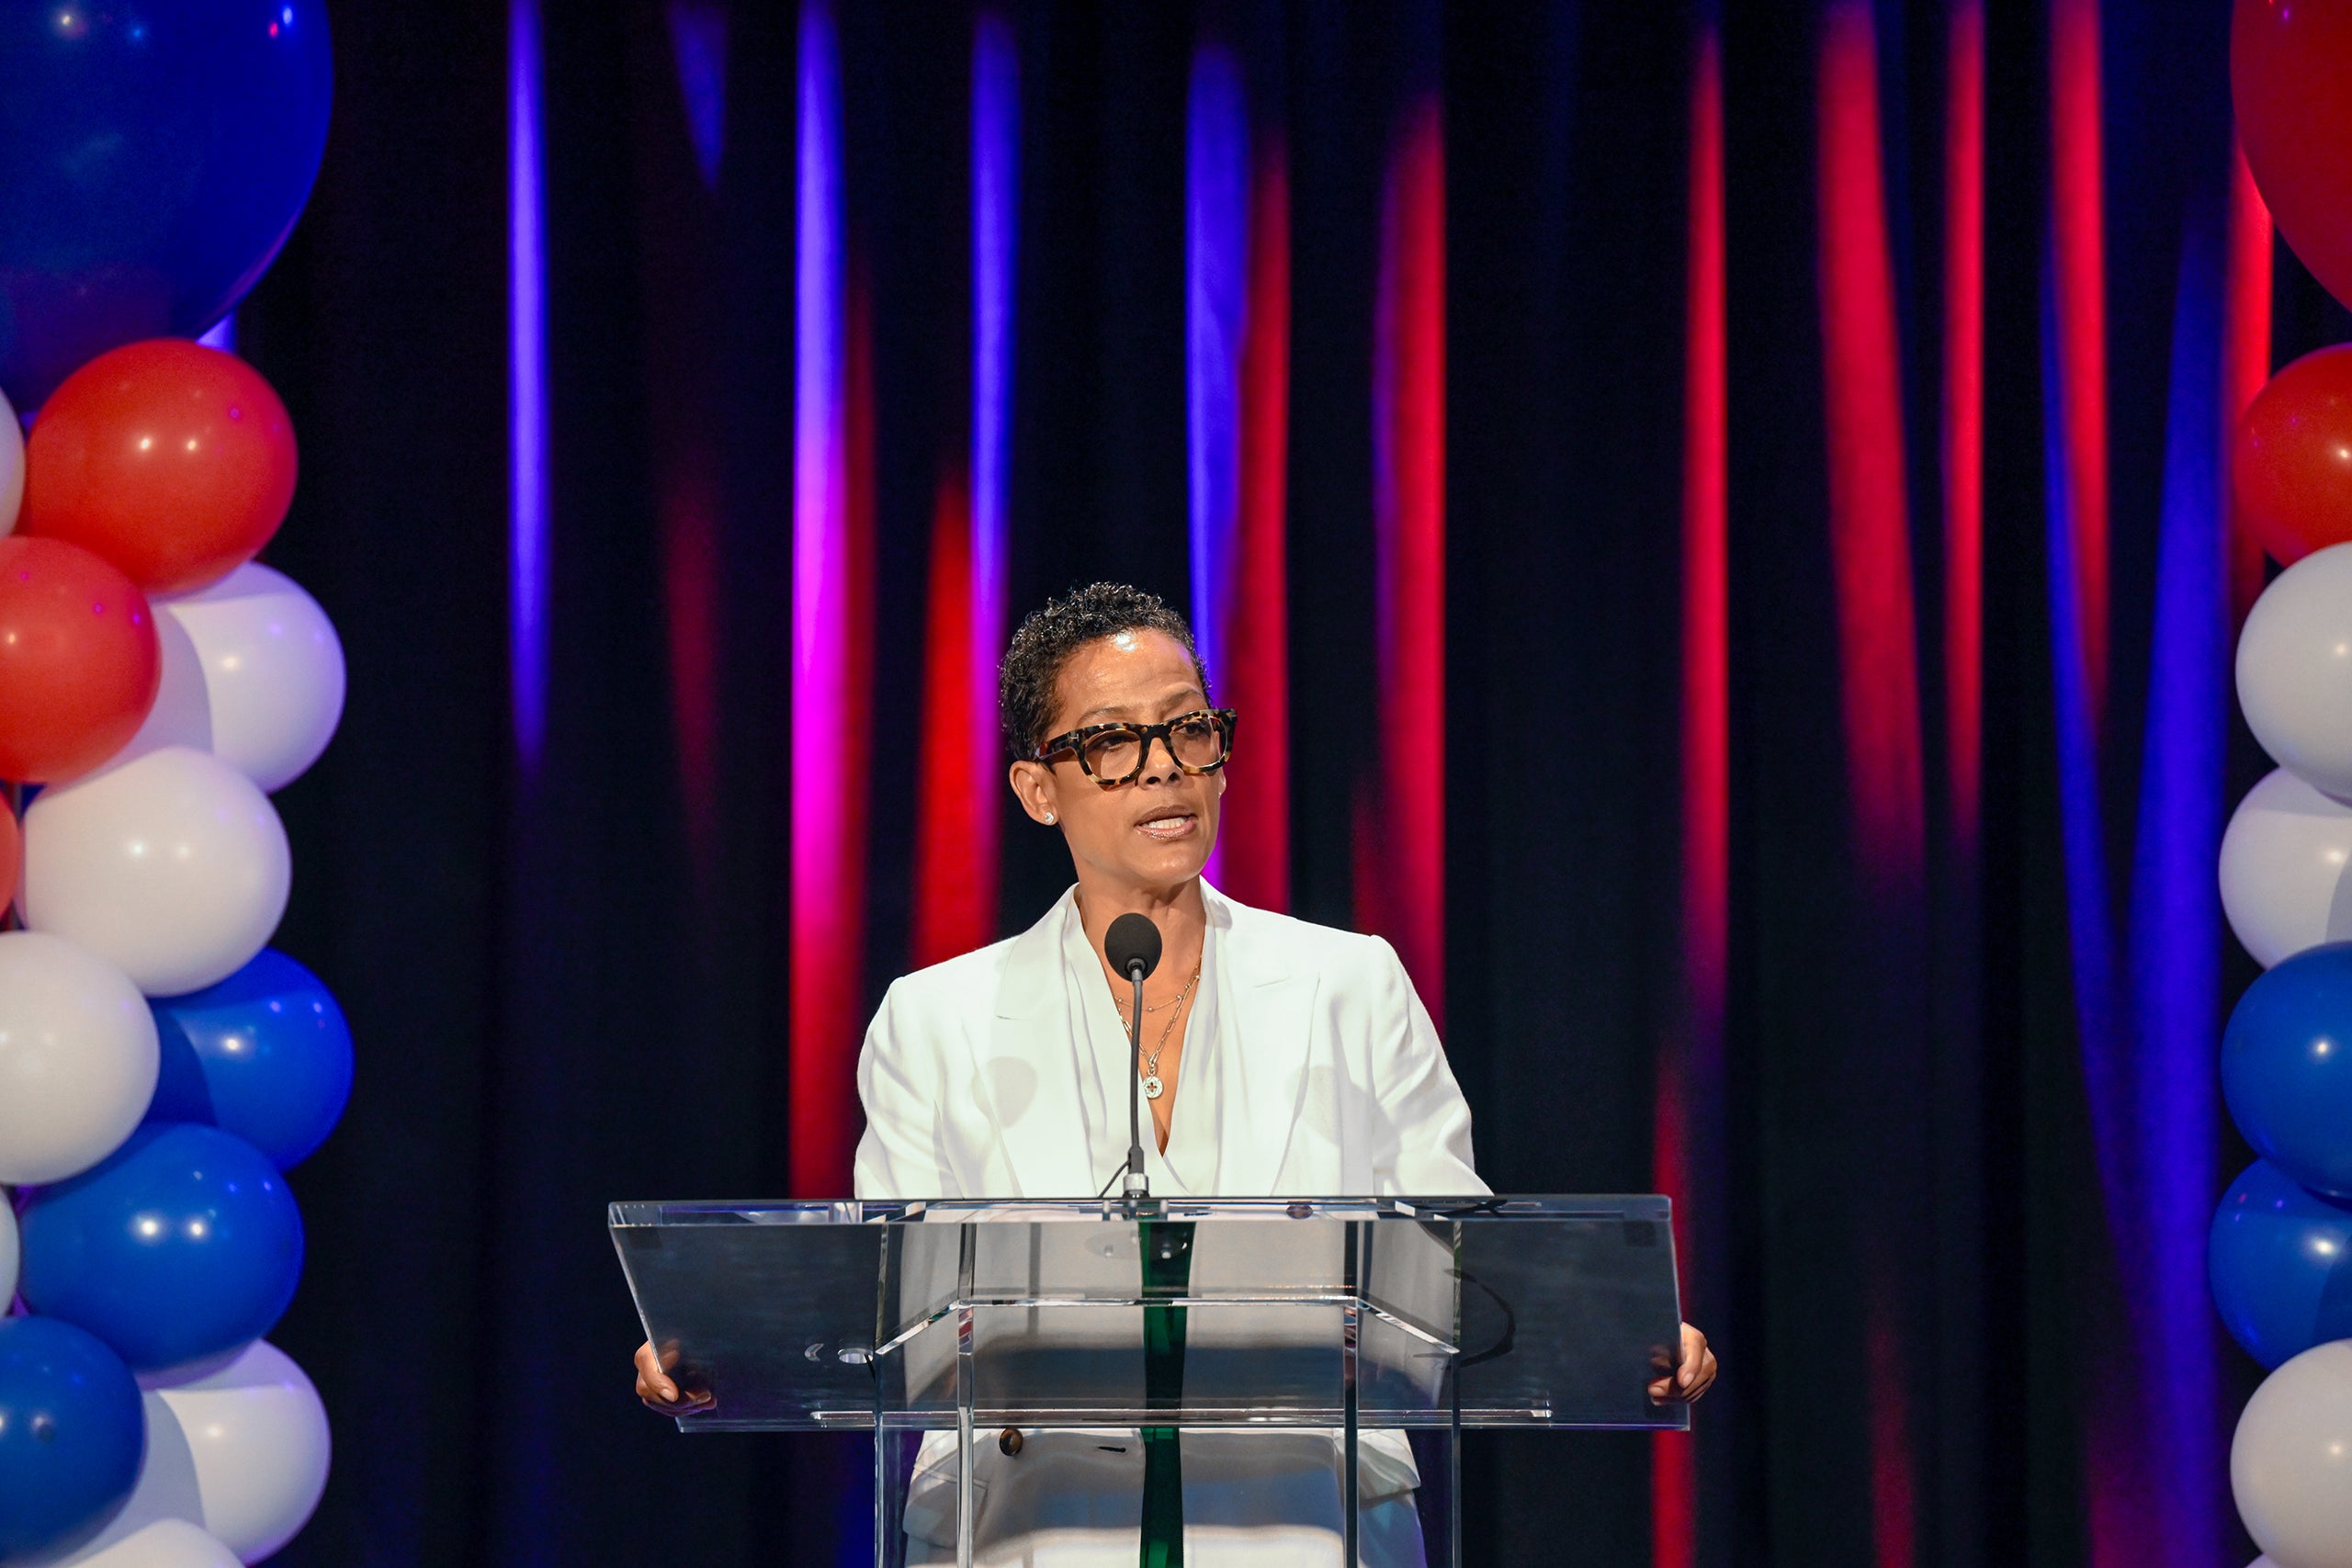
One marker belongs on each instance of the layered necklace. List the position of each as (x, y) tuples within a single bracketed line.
[(1152, 1087)]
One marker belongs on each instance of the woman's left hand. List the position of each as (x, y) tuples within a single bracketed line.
[(1692, 1377)]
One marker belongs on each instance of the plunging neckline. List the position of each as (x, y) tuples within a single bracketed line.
[(1187, 1167)]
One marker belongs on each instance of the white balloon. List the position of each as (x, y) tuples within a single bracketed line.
[(183, 712), (2284, 859), (78, 1058), (2290, 1464), (273, 669), (2295, 670), (8, 1249), (12, 464), (173, 866), (166, 1543), (258, 1437), (166, 1489), (239, 1450)]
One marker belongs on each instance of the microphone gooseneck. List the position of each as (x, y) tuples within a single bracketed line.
[(1132, 944)]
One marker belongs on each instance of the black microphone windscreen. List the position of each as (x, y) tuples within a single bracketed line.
[(1132, 939)]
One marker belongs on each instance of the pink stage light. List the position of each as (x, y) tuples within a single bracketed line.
[(827, 784), (1236, 244), (1963, 419), (1878, 654), (1400, 814), (2078, 274), (2245, 357), (958, 817), (1691, 1078)]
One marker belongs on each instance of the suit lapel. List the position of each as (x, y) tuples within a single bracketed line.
[(1270, 1007), (1036, 1071)]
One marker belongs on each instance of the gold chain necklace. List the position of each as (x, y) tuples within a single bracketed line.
[(1152, 1087)]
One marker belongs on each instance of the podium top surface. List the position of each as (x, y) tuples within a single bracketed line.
[(1477, 1209), (1289, 1311)]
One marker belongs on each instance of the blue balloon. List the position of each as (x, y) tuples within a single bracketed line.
[(265, 1054), (152, 159), (2287, 1067), (180, 1244), (2280, 1258), (72, 1435)]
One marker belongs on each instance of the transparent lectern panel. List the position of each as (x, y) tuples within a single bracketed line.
[(1531, 1312), (1558, 1297), (773, 1306)]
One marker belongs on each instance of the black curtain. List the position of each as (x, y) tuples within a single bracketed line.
[(569, 984)]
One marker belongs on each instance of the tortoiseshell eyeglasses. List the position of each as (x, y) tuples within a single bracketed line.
[(1113, 754)]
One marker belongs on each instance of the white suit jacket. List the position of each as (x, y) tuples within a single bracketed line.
[(979, 1082)]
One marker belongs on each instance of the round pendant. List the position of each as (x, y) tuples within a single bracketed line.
[(1152, 1085)]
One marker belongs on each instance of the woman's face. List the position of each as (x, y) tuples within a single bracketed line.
[(1153, 834)]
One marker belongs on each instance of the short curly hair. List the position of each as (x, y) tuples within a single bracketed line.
[(1039, 651)]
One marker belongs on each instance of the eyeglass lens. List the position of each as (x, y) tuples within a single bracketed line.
[(1198, 741)]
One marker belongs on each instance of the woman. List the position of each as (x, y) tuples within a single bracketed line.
[(1302, 1060)]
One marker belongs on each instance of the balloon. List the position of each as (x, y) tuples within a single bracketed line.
[(2291, 1463), (166, 1543), (265, 1055), (78, 659), (12, 847), (70, 1435), (240, 1448), (259, 1438), (7, 1252), (77, 1058), (2290, 468), (172, 866), (185, 1244), (2290, 77), (181, 713), (272, 669), (173, 460), (2287, 1069), (2283, 862), (152, 159), (12, 464), (2295, 668), (2280, 1263)]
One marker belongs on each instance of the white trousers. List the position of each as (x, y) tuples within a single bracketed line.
[(1073, 1499)]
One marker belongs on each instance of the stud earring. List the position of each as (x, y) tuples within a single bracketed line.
[(1049, 818)]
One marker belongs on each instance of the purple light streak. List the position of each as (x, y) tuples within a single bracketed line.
[(818, 475), (1216, 301), (698, 41), (996, 197), (2147, 987), (2175, 942), (1216, 279), (527, 487)]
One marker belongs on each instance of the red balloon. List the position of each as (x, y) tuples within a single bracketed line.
[(2290, 473), (11, 853), (79, 662), (173, 460), (2291, 74)]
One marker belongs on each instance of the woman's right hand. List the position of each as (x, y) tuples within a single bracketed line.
[(659, 1391)]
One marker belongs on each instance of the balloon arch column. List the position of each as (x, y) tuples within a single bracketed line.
[(2279, 1252), (160, 1067)]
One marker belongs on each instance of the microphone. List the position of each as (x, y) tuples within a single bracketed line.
[(1132, 944)]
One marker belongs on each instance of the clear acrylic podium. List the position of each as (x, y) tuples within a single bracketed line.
[(1349, 1314)]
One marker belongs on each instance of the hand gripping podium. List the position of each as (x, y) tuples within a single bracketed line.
[(1351, 1315)]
